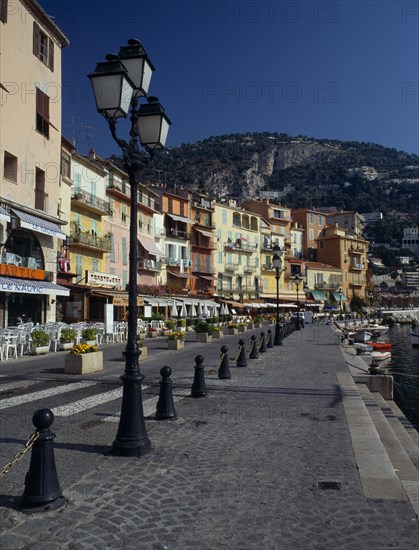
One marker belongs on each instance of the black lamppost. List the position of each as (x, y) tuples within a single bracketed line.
[(118, 83), (297, 281), (277, 263), (340, 303)]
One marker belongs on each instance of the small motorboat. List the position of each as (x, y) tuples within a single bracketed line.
[(362, 336), (362, 348), (380, 346), (378, 356), (377, 330), (414, 338)]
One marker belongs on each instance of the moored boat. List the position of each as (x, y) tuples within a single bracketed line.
[(362, 336), (362, 348), (414, 338), (378, 356), (380, 346)]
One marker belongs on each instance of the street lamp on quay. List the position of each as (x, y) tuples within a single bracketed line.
[(118, 84), (277, 263), (340, 303), (297, 281)]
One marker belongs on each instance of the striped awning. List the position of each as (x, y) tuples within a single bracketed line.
[(318, 295), (150, 246), (339, 297), (4, 215), (28, 221), (30, 286), (205, 233), (180, 218)]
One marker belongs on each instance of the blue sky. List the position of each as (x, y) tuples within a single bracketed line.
[(328, 69)]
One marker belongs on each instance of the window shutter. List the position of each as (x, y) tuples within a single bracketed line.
[(51, 54), (36, 39)]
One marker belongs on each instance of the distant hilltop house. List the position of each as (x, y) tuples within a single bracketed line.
[(372, 217), (411, 239), (367, 172)]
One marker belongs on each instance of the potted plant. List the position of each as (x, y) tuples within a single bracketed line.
[(40, 342), (182, 325), (89, 335), (218, 332), (67, 338), (83, 359), (242, 327), (170, 324), (176, 340), (189, 323), (258, 320), (204, 332), (152, 332), (231, 328)]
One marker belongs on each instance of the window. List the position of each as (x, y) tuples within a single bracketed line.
[(124, 278), (3, 11), (124, 214), (43, 46), (10, 166), (311, 218), (311, 234), (112, 251), (42, 113), (41, 198), (65, 165), (79, 264), (224, 217), (319, 220), (95, 264)]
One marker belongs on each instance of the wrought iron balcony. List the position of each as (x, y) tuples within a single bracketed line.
[(86, 240), (90, 202), (150, 265), (232, 266), (177, 233)]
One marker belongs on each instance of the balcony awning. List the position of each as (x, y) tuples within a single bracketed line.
[(182, 275), (205, 233), (339, 297), (29, 286), (318, 295), (208, 277), (27, 221), (4, 215), (180, 219), (150, 246)]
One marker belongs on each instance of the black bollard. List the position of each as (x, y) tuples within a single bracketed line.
[(224, 369), (270, 342), (262, 345), (241, 358), (253, 348), (42, 489), (198, 386), (165, 408)]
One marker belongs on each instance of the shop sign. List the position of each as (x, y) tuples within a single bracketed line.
[(97, 278), (19, 271)]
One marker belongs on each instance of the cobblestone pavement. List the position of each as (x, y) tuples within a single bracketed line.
[(265, 461)]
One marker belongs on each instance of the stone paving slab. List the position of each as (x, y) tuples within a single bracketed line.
[(265, 462)]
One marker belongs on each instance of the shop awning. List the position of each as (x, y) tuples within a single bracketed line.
[(150, 246), (208, 277), (27, 221), (116, 298), (181, 219), (30, 286), (4, 215), (318, 295), (339, 297), (205, 233), (182, 275)]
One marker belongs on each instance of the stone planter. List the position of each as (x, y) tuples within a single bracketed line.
[(256, 325), (229, 330), (141, 335), (218, 334), (151, 334), (90, 342), (175, 344), (66, 346), (242, 329), (203, 337), (39, 350), (165, 332), (83, 363)]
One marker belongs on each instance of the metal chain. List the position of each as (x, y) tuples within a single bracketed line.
[(221, 360), (235, 358), (19, 455), (251, 349)]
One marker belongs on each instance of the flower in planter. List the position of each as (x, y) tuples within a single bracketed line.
[(152, 329), (177, 335), (232, 325), (89, 333), (39, 338), (79, 349), (217, 329), (68, 335)]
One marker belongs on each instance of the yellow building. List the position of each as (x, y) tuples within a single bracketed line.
[(30, 155)]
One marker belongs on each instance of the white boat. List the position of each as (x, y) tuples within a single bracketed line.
[(377, 330), (378, 356), (362, 348), (362, 336), (414, 338)]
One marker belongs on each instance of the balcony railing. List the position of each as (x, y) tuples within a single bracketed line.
[(326, 284), (80, 238), (177, 233), (176, 261), (232, 266), (357, 250), (268, 267), (11, 258), (150, 265), (235, 247), (91, 201), (249, 268), (357, 267)]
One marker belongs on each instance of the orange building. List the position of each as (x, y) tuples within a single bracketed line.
[(313, 223)]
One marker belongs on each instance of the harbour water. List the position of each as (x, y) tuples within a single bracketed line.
[(404, 366)]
